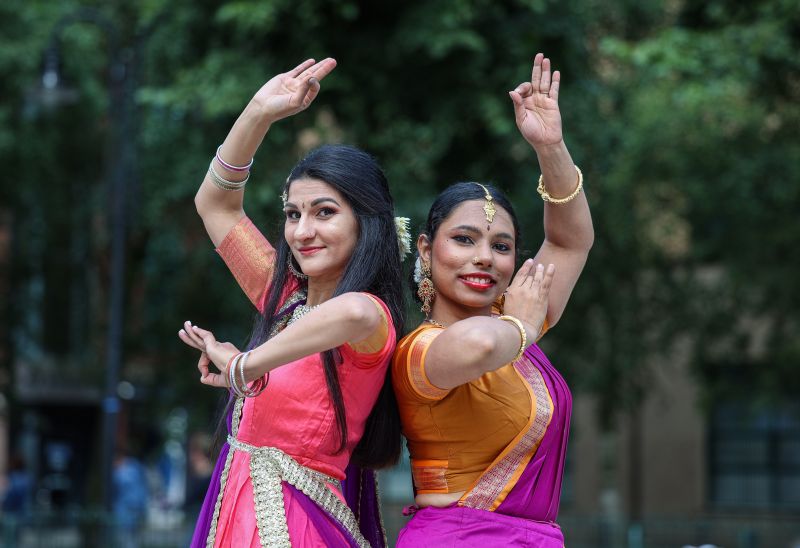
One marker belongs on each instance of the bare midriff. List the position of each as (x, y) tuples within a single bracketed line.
[(439, 500)]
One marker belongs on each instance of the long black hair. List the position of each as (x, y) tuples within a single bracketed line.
[(374, 267), (452, 197)]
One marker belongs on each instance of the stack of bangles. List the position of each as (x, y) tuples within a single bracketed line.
[(224, 184), (240, 388)]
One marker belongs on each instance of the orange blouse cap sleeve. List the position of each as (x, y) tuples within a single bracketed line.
[(409, 366)]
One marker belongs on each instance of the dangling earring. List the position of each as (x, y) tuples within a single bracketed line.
[(425, 290), (293, 269)]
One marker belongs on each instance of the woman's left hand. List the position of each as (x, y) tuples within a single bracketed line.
[(211, 351), (536, 105)]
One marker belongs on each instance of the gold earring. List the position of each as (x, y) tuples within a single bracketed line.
[(425, 290)]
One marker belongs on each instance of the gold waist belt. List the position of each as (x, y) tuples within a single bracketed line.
[(269, 467)]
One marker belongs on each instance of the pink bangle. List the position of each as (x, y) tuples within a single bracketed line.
[(230, 167)]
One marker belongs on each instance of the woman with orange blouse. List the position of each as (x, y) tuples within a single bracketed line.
[(485, 414)]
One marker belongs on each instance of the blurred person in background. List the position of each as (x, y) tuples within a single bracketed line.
[(130, 498), (485, 414), (311, 394), (198, 472), (16, 500)]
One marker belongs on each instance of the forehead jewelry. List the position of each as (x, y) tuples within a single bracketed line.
[(488, 207), (285, 193)]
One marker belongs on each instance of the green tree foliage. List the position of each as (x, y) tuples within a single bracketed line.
[(683, 116)]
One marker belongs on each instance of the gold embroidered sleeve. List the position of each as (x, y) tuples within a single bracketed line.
[(250, 258)]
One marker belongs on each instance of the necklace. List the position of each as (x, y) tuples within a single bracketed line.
[(300, 311), (434, 322)]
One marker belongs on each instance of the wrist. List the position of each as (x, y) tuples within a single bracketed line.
[(241, 380), (530, 331), (255, 115), (521, 329), (550, 150)]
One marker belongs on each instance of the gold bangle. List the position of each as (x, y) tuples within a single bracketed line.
[(524, 336), (546, 196)]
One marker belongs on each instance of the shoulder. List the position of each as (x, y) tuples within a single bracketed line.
[(378, 347), (382, 308), (364, 306), (408, 366)]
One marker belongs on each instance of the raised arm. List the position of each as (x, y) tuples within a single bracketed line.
[(567, 226), (282, 96)]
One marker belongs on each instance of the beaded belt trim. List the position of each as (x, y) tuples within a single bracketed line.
[(268, 468), (236, 416)]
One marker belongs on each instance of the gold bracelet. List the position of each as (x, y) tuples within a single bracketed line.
[(546, 196), (524, 336)]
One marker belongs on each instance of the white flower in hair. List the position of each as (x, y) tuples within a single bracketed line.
[(403, 235), (417, 271)]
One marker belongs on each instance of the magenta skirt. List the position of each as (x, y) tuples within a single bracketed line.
[(459, 527)]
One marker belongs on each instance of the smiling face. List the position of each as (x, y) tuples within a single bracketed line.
[(321, 229), (472, 261)]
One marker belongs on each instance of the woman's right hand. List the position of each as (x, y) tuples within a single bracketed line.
[(290, 92), (527, 296), (211, 351)]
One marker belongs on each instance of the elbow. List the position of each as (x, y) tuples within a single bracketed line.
[(589, 239), (200, 204), (583, 240), (481, 342), (209, 205)]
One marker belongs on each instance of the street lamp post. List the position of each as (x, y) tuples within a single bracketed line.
[(120, 157)]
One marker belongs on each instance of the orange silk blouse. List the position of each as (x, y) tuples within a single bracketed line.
[(454, 435)]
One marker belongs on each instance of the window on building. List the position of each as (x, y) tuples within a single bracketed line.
[(755, 457)]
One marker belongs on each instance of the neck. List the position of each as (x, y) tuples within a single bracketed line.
[(449, 313), (320, 290)]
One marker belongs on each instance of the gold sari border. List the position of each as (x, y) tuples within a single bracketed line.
[(494, 484)]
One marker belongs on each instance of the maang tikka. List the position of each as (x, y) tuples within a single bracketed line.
[(488, 207)]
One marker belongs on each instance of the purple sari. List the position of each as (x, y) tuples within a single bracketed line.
[(515, 501)]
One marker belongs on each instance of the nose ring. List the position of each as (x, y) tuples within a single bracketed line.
[(475, 260)]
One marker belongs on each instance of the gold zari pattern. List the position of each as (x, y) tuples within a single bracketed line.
[(250, 258), (489, 490)]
